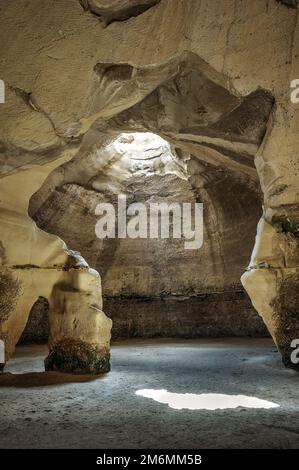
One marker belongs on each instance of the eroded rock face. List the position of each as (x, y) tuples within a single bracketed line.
[(79, 338), (272, 277), (11, 290), (77, 357), (185, 101), (148, 288), (289, 3), (39, 266), (180, 69), (117, 10), (37, 327)]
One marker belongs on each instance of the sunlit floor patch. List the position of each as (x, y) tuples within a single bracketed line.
[(204, 401)]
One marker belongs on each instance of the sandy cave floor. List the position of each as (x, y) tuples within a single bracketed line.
[(53, 410)]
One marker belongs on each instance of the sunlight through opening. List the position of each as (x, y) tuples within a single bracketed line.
[(204, 401)]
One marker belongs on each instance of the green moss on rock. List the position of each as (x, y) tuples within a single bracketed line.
[(77, 357)]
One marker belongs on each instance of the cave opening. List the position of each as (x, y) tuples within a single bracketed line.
[(146, 283)]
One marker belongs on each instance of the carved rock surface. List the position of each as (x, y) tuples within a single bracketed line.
[(117, 10), (212, 80), (147, 286)]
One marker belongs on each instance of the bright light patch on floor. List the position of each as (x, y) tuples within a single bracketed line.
[(204, 401)]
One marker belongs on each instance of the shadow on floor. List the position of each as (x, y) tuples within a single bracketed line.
[(43, 379)]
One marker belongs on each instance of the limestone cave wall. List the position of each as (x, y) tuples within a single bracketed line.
[(212, 78)]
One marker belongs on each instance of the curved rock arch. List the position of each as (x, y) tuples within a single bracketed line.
[(216, 123)]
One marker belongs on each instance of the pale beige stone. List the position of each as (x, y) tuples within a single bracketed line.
[(65, 73)]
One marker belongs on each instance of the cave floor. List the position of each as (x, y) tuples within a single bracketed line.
[(53, 410)]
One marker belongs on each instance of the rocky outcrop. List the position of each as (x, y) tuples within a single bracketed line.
[(186, 102), (203, 75), (151, 278), (37, 327), (272, 276), (117, 10)]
